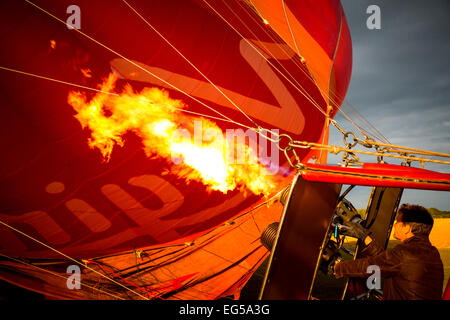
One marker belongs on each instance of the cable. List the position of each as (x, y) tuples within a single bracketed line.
[(190, 63), (66, 256), (130, 61), (114, 94), (59, 275)]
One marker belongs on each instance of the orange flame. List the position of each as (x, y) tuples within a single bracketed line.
[(158, 120)]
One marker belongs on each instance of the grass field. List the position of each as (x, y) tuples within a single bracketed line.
[(445, 256)]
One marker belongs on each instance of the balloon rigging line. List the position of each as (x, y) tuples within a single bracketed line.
[(56, 80), (276, 195), (269, 62), (112, 280), (118, 276), (145, 70), (258, 130), (332, 92), (309, 76), (266, 202), (295, 62), (61, 276), (337, 149), (116, 94), (299, 66), (336, 49), (314, 103), (228, 223), (364, 120), (190, 62), (270, 53), (289, 26), (305, 94), (275, 42), (147, 266), (70, 258), (148, 269), (130, 61), (412, 150)]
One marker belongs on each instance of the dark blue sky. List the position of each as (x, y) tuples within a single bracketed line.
[(401, 82)]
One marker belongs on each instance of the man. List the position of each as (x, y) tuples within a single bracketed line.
[(411, 270)]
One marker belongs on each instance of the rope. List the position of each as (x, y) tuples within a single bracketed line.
[(84, 262), (59, 275), (337, 149), (116, 94), (269, 62), (371, 128), (70, 258), (332, 94), (300, 65), (298, 86), (131, 62), (118, 276), (411, 150), (258, 129), (289, 26), (190, 62)]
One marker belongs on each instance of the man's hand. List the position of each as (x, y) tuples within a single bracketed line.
[(332, 268), (354, 229)]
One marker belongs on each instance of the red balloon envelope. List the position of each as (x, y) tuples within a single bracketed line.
[(234, 57)]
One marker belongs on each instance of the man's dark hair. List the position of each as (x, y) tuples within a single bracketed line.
[(417, 217)]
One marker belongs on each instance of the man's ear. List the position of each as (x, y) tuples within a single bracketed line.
[(408, 228)]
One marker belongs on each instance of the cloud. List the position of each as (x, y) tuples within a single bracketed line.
[(401, 73), (401, 80)]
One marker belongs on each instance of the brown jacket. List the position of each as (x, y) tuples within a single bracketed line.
[(411, 270)]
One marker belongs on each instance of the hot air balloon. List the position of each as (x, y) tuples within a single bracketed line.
[(220, 60), (92, 93)]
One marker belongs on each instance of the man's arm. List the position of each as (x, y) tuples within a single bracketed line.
[(370, 248), (373, 254)]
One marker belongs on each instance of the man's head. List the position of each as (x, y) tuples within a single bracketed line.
[(412, 220)]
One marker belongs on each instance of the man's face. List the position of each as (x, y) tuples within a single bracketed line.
[(401, 230)]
